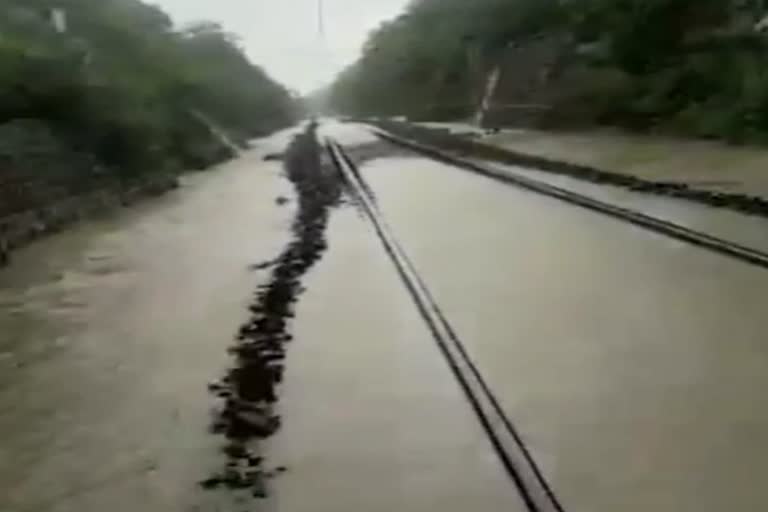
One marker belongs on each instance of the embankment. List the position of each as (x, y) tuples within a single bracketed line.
[(443, 139), (47, 183)]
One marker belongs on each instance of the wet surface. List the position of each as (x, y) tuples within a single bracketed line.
[(748, 230), (372, 417), (114, 331), (746, 199), (349, 134), (632, 363), (703, 164), (109, 333)]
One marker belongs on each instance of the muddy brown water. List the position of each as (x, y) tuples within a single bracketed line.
[(747, 230), (109, 333), (633, 364), (112, 332)]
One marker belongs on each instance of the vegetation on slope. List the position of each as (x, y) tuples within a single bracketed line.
[(692, 66), (119, 93)]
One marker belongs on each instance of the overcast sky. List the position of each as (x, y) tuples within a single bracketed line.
[(283, 37)]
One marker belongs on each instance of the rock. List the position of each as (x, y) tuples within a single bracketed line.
[(273, 157), (251, 384), (259, 424), (214, 387), (261, 266), (5, 252), (717, 199), (259, 489), (235, 451), (254, 461), (211, 483)]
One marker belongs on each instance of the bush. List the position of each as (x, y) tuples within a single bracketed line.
[(122, 84), (693, 66)]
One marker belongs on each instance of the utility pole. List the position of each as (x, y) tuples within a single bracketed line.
[(320, 18), (58, 18)]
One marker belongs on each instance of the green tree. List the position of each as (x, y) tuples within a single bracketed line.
[(124, 85)]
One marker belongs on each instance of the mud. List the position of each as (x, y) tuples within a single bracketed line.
[(248, 392)]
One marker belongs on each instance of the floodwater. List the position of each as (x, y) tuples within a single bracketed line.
[(632, 363), (372, 418), (109, 333), (743, 229), (703, 164), (112, 331)]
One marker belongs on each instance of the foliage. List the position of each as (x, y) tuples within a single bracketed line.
[(696, 66), (430, 55), (124, 85)]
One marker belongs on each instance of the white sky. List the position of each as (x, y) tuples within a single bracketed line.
[(282, 35)]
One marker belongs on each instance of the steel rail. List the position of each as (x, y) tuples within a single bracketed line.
[(657, 225), (508, 444)]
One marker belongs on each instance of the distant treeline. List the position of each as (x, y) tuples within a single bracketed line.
[(691, 66)]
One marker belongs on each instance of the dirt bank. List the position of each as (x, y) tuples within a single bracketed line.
[(19, 229), (48, 181)]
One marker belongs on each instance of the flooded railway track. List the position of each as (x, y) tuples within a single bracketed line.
[(511, 448), (514, 455), (660, 226)]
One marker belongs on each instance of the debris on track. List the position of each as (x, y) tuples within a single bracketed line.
[(248, 392)]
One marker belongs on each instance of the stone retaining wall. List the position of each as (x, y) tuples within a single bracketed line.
[(22, 228)]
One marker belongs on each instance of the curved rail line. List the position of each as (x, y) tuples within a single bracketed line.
[(660, 226), (510, 447)]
